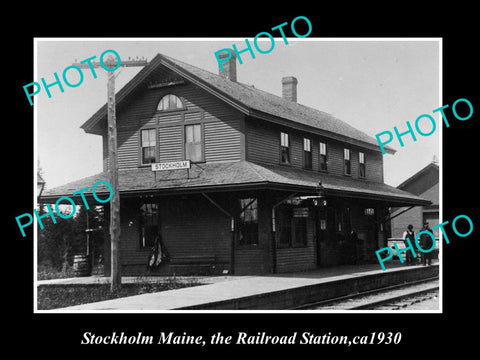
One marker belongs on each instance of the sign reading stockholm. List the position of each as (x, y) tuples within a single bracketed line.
[(171, 165)]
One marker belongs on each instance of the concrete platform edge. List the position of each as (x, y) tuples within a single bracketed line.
[(297, 296)]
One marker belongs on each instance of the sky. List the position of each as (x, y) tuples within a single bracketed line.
[(372, 84)]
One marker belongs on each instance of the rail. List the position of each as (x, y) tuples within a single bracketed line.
[(367, 305)]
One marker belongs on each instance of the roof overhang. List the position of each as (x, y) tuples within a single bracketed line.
[(237, 176)]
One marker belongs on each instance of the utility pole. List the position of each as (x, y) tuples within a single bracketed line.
[(115, 264)]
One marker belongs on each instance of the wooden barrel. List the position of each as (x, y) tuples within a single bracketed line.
[(81, 266)]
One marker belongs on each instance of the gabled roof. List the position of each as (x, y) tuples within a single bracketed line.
[(422, 180), (247, 99), (237, 175)]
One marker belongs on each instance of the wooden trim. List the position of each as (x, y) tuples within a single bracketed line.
[(243, 139)]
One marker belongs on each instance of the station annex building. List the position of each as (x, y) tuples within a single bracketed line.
[(273, 186)]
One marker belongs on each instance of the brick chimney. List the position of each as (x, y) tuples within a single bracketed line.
[(289, 88), (229, 66)]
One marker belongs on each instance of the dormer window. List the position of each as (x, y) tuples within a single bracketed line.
[(170, 102)]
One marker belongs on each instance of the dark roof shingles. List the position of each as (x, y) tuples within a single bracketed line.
[(249, 97), (214, 175)]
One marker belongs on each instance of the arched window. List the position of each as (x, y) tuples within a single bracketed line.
[(170, 102)]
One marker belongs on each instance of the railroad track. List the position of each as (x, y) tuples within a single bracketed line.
[(396, 296)]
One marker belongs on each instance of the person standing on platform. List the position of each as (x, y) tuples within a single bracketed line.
[(409, 234), (426, 243)]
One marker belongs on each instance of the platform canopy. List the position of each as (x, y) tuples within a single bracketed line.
[(236, 176)]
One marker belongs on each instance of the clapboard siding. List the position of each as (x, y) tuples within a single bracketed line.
[(335, 158), (250, 261), (193, 116), (374, 166), (298, 258), (170, 143), (262, 143), (296, 150), (263, 146), (128, 148), (167, 119), (222, 133), (222, 141), (195, 227), (190, 227)]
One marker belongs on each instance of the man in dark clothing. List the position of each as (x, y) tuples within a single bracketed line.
[(426, 242), (409, 234)]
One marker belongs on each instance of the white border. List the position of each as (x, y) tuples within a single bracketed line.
[(299, 312)]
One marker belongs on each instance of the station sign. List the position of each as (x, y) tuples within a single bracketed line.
[(171, 165), (300, 212)]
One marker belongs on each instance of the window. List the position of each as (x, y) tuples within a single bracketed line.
[(300, 226), (323, 156), (148, 224), (307, 153), (170, 102), (248, 222), (193, 142), (284, 225), (369, 211), (347, 170), (361, 164), (323, 224), (148, 145), (292, 226), (284, 148)]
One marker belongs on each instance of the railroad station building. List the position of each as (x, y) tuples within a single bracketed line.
[(271, 185), (424, 183)]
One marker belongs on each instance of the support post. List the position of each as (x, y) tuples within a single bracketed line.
[(115, 263), (116, 281)]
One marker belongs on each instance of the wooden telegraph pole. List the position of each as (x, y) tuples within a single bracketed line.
[(111, 63)]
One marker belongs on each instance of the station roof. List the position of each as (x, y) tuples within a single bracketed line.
[(231, 176), (248, 99)]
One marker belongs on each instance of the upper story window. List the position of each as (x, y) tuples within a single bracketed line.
[(323, 156), (170, 102), (347, 168), (148, 145), (361, 164), (193, 142), (307, 153), (284, 148)]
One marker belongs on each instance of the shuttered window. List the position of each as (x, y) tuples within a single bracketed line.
[(148, 145), (193, 143)]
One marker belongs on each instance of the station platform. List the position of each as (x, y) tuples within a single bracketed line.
[(267, 292)]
